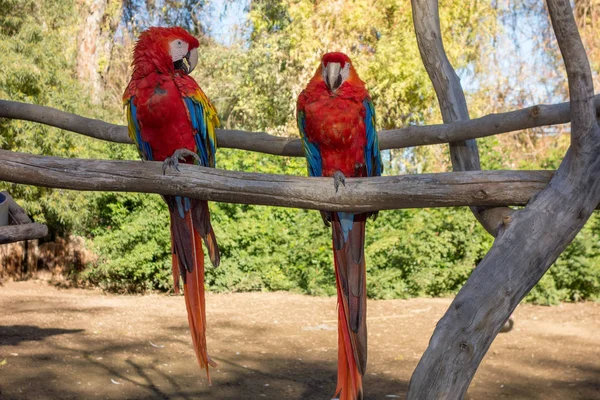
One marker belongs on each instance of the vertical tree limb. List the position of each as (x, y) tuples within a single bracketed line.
[(95, 43), (464, 153), (528, 242)]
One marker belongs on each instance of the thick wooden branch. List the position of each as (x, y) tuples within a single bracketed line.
[(529, 241), (17, 233), (414, 135), (359, 194), (578, 71), (21, 228), (16, 213), (463, 152)]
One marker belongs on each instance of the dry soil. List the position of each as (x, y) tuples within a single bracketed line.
[(82, 344)]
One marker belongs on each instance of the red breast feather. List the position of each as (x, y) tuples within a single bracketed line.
[(336, 123)]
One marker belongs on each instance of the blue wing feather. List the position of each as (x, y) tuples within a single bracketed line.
[(135, 133), (311, 150), (205, 145), (372, 153)]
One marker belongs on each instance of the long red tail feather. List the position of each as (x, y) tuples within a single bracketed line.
[(350, 278), (349, 380), (193, 289)]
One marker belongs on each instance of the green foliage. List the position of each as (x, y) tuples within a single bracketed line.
[(254, 238), (428, 252), (134, 250), (576, 274), (37, 43), (254, 84)]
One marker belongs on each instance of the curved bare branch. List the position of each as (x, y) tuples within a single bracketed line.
[(17, 233), (529, 241), (464, 153), (414, 135), (23, 228), (581, 88)]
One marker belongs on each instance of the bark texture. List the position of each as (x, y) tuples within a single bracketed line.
[(95, 43), (528, 242), (451, 99), (539, 115), (359, 194)]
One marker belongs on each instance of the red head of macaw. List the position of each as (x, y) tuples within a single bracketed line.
[(336, 120), (166, 50), (171, 119)]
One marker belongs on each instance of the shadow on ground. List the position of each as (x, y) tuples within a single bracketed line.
[(107, 369), (77, 344), (12, 335)]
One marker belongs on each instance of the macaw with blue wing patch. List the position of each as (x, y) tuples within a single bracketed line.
[(171, 119), (336, 120)]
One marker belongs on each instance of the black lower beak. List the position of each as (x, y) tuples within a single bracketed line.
[(334, 85), (183, 64)]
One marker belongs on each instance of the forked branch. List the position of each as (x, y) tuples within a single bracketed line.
[(464, 153), (529, 241)]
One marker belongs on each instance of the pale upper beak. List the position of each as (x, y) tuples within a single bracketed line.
[(188, 62), (192, 59), (333, 76)]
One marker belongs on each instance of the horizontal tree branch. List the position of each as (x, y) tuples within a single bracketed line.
[(22, 228), (17, 233), (359, 194), (413, 135)]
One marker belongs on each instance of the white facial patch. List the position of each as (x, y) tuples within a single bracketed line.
[(179, 49), (335, 76), (345, 72)]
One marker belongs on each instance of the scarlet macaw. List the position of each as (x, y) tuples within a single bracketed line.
[(336, 120), (171, 119)]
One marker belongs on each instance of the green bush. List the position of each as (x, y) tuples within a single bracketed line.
[(133, 244), (420, 252), (575, 275), (429, 252)]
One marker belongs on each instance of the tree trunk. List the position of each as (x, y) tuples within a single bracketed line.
[(451, 99), (95, 43), (528, 242)]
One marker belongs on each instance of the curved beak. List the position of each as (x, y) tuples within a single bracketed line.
[(333, 77), (192, 59), (188, 62)]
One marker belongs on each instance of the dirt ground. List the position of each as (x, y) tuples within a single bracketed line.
[(82, 344)]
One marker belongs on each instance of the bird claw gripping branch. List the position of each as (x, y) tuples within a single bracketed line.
[(179, 154), (338, 178)]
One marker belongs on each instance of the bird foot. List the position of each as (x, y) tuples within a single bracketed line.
[(338, 178), (358, 169), (173, 161)]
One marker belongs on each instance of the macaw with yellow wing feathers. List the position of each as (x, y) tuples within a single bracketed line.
[(171, 119), (336, 119)]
